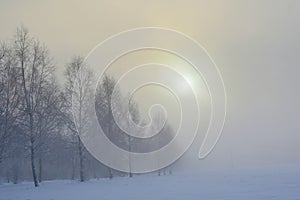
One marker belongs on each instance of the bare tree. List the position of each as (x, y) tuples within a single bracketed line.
[(104, 110), (9, 98), (48, 120), (36, 73), (165, 135), (135, 117), (107, 110), (76, 95)]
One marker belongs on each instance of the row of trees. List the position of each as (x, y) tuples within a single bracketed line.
[(38, 135)]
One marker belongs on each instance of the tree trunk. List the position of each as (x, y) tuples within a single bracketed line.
[(1, 155), (32, 156), (15, 175), (129, 160), (81, 166), (73, 169), (32, 150), (40, 169), (7, 177), (110, 173)]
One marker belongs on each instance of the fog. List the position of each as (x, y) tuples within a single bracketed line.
[(255, 44)]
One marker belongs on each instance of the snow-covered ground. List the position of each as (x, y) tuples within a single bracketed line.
[(206, 186)]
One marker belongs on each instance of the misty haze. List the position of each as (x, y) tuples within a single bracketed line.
[(149, 100)]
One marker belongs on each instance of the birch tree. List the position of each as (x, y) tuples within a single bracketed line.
[(76, 95)]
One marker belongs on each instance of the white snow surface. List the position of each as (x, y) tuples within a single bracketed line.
[(206, 186)]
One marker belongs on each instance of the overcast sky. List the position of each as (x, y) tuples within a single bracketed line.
[(255, 44)]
